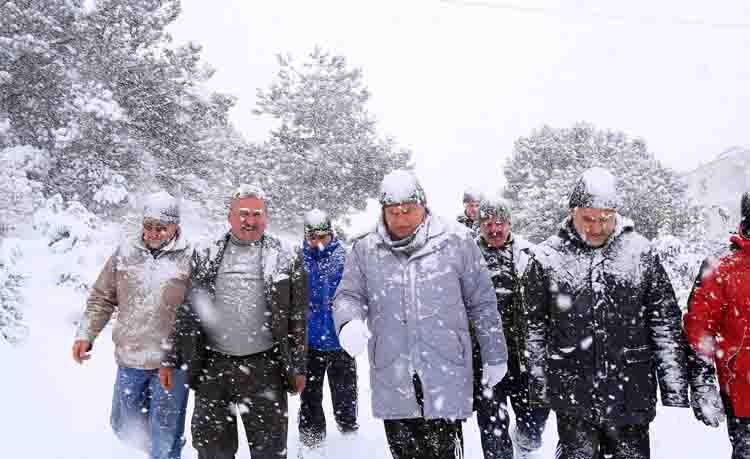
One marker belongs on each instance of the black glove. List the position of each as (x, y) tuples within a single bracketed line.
[(707, 405)]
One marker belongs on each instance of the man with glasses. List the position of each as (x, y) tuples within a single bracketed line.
[(324, 263), (144, 281), (418, 282), (242, 335), (603, 328), (507, 256)]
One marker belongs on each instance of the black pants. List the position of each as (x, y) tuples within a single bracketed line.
[(493, 420), (739, 431), (580, 439), (420, 438), (342, 382), (251, 386)]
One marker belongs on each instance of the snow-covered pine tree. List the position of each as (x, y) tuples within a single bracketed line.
[(326, 151), (544, 166)]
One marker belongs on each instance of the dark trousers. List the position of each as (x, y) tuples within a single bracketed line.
[(579, 439), (342, 382), (493, 421), (739, 431), (420, 438), (251, 386)]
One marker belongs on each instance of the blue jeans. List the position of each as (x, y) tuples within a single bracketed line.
[(146, 415)]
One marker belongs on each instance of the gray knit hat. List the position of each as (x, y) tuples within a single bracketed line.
[(494, 207), (471, 195), (399, 187), (163, 207), (317, 221)]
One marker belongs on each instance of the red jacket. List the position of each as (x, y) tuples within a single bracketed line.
[(718, 323)]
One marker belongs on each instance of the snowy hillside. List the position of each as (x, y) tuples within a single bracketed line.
[(718, 185)]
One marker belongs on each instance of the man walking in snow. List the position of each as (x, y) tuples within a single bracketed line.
[(507, 257), (324, 263), (419, 284), (242, 335), (717, 326), (469, 218), (144, 281), (603, 328)]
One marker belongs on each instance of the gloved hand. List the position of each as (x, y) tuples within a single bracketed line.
[(707, 405), (353, 337), (493, 374)]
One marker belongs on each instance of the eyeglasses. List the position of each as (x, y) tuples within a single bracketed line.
[(149, 227), (402, 209), (247, 213), (317, 236)]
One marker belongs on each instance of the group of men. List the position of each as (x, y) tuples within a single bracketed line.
[(454, 320)]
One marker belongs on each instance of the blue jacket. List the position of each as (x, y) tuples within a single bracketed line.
[(324, 270)]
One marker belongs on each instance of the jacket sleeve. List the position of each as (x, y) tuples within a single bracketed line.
[(185, 322), (481, 306), (701, 370), (101, 303), (663, 317), (706, 309), (536, 295), (350, 300), (298, 316)]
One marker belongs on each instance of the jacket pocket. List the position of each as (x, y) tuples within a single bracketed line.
[(640, 385), (383, 352)]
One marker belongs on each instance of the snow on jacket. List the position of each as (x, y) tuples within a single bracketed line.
[(718, 323), (506, 275), (286, 297), (145, 290), (603, 327), (470, 223), (324, 269), (418, 308)]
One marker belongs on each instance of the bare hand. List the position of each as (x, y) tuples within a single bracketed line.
[(166, 378), (299, 383), (81, 348)]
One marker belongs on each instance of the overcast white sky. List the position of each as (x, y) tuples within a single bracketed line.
[(458, 82)]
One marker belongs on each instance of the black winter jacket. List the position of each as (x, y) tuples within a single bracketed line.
[(603, 327), (286, 295)]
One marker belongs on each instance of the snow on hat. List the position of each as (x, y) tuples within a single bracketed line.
[(496, 208), (472, 195), (401, 186), (163, 207), (248, 191), (317, 221), (595, 188)]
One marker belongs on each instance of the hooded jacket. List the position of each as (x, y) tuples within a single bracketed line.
[(603, 328), (418, 305), (324, 269), (718, 323)]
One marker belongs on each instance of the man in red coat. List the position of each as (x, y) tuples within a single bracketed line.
[(718, 327)]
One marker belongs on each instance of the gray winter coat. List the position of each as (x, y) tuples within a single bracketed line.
[(418, 309)]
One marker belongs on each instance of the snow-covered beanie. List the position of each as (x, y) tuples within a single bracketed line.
[(317, 221), (163, 207), (247, 191), (745, 214), (399, 187), (595, 188), (496, 208), (471, 195)]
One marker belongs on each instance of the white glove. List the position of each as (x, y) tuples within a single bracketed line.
[(353, 337), (493, 374)]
